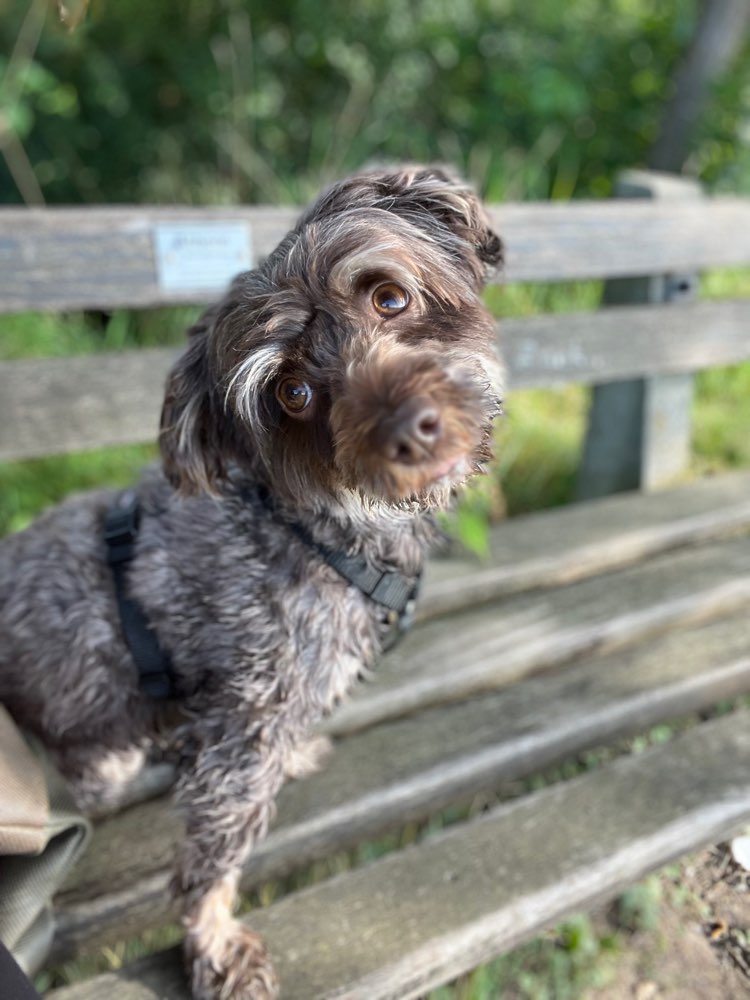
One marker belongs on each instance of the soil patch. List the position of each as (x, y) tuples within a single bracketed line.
[(697, 947)]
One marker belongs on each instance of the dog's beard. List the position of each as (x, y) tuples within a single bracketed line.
[(459, 397)]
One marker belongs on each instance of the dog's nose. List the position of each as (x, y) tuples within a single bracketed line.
[(412, 433)]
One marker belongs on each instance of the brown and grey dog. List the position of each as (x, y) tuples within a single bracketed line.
[(331, 400)]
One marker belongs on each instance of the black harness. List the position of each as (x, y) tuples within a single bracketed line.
[(121, 523), (394, 592)]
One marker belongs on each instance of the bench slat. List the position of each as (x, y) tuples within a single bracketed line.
[(426, 914), (407, 769), (624, 342), (570, 543), (56, 405), (53, 406), (103, 258), (483, 649)]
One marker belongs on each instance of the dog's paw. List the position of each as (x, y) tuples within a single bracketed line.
[(307, 758), (242, 970)]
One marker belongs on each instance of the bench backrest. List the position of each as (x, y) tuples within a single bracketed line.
[(105, 258)]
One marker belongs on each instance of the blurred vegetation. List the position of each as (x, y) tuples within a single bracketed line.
[(226, 101)]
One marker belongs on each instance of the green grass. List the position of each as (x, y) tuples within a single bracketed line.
[(26, 488), (560, 965), (49, 335)]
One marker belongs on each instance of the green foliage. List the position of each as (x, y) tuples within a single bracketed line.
[(638, 909), (227, 101), (26, 488), (559, 966), (721, 439)]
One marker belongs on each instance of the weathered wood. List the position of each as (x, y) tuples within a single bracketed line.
[(498, 644), (102, 258), (56, 405), (560, 546), (422, 916), (624, 341), (639, 431), (75, 258), (554, 547), (407, 769)]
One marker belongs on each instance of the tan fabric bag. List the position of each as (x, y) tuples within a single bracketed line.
[(41, 836)]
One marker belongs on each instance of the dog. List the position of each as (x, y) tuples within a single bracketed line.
[(322, 411)]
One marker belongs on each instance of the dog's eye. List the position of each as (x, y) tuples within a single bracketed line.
[(390, 299), (294, 395)]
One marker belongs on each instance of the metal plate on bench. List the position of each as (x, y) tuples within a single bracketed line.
[(200, 255)]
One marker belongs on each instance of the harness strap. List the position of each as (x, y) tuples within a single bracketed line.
[(154, 665), (393, 591)]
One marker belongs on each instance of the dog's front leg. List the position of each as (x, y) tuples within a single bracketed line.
[(227, 791)]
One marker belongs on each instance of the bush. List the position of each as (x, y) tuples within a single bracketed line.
[(232, 102)]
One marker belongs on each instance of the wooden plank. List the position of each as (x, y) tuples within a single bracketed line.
[(486, 648), (103, 258), (74, 258), (408, 769), (559, 546), (55, 405), (561, 241), (424, 915), (624, 341), (563, 545)]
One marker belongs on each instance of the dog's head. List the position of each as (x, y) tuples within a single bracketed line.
[(358, 357)]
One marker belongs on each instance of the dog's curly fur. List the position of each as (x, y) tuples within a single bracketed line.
[(353, 378)]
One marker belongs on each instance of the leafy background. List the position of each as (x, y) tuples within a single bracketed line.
[(226, 101)]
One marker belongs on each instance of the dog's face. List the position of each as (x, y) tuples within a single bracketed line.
[(358, 357)]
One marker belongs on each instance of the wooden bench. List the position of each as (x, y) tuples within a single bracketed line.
[(585, 625)]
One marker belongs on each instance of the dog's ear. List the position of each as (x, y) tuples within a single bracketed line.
[(445, 196), (190, 436)]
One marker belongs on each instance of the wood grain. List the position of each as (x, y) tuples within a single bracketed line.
[(625, 341), (502, 642), (639, 431), (550, 548), (56, 405), (422, 916), (102, 258), (407, 769)]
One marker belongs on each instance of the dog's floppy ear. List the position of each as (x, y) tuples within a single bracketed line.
[(190, 436), (445, 196)]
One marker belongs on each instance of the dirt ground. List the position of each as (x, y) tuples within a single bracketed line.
[(699, 946)]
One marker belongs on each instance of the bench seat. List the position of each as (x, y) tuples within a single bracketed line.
[(585, 626), (425, 914)]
